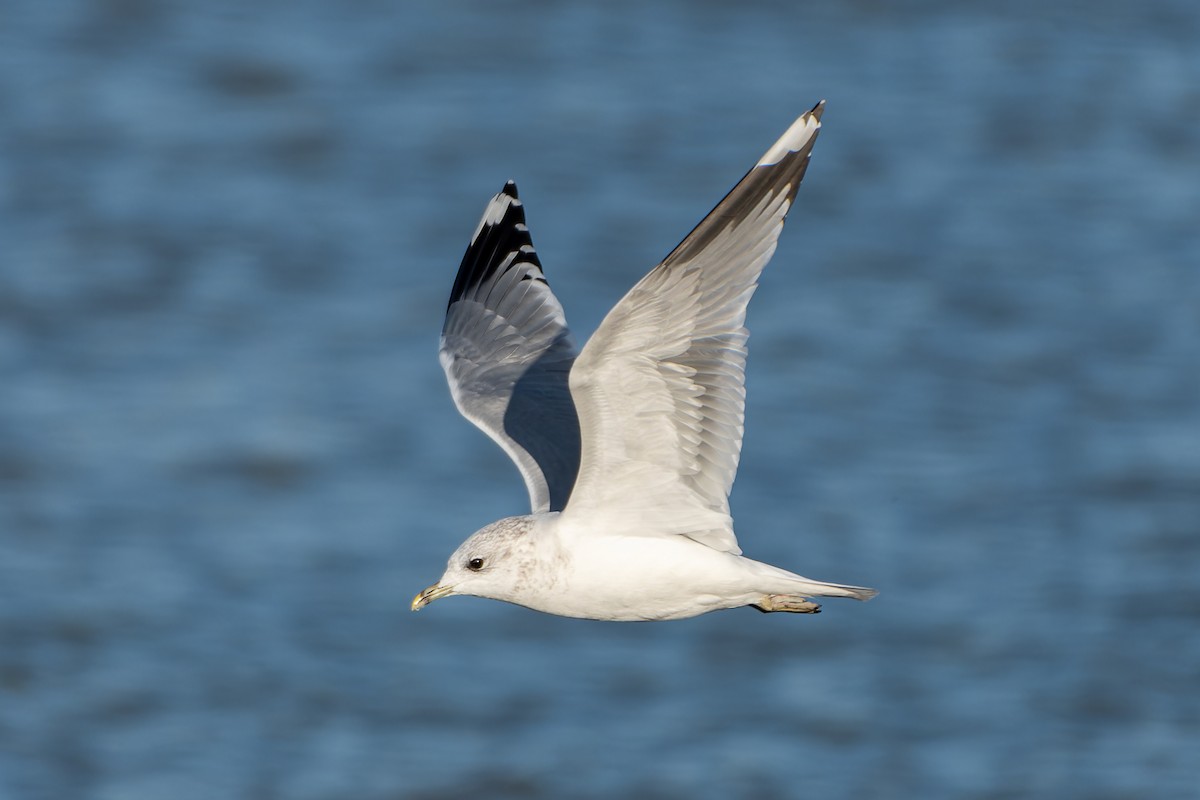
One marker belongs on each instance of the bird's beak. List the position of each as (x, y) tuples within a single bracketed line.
[(427, 596)]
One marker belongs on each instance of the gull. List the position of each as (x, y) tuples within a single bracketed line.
[(629, 446)]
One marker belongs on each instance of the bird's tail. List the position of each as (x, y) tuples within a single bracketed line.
[(839, 590), (784, 582)]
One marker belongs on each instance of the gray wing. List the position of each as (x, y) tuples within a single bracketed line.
[(507, 353), (660, 385)]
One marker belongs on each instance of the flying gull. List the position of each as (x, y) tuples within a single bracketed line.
[(629, 446)]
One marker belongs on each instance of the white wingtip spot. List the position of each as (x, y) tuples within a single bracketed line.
[(495, 212), (801, 131)]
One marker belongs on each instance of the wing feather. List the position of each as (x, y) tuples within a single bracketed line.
[(659, 387), (507, 352)]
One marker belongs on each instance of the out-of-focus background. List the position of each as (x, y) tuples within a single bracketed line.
[(228, 457)]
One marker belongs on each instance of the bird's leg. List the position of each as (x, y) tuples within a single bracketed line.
[(787, 602)]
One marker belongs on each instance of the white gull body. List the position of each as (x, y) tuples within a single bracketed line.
[(628, 448)]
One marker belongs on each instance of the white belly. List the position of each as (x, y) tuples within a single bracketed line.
[(646, 577)]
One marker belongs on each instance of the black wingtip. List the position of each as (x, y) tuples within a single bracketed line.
[(818, 110), (501, 233)]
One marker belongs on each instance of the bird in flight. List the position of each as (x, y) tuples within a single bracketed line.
[(629, 446)]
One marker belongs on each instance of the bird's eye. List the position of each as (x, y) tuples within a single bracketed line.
[(475, 564)]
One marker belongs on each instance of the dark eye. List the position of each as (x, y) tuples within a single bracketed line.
[(475, 564)]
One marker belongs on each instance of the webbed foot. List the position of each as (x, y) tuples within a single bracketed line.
[(793, 603)]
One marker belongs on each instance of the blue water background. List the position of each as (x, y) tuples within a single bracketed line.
[(228, 457)]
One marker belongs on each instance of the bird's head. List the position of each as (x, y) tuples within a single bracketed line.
[(492, 563)]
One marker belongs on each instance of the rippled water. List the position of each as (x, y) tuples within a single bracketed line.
[(228, 458)]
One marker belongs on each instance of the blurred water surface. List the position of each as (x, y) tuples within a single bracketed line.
[(228, 458)]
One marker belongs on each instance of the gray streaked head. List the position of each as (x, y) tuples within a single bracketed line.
[(494, 562)]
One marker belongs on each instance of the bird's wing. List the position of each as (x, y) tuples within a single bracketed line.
[(507, 352), (660, 386)]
